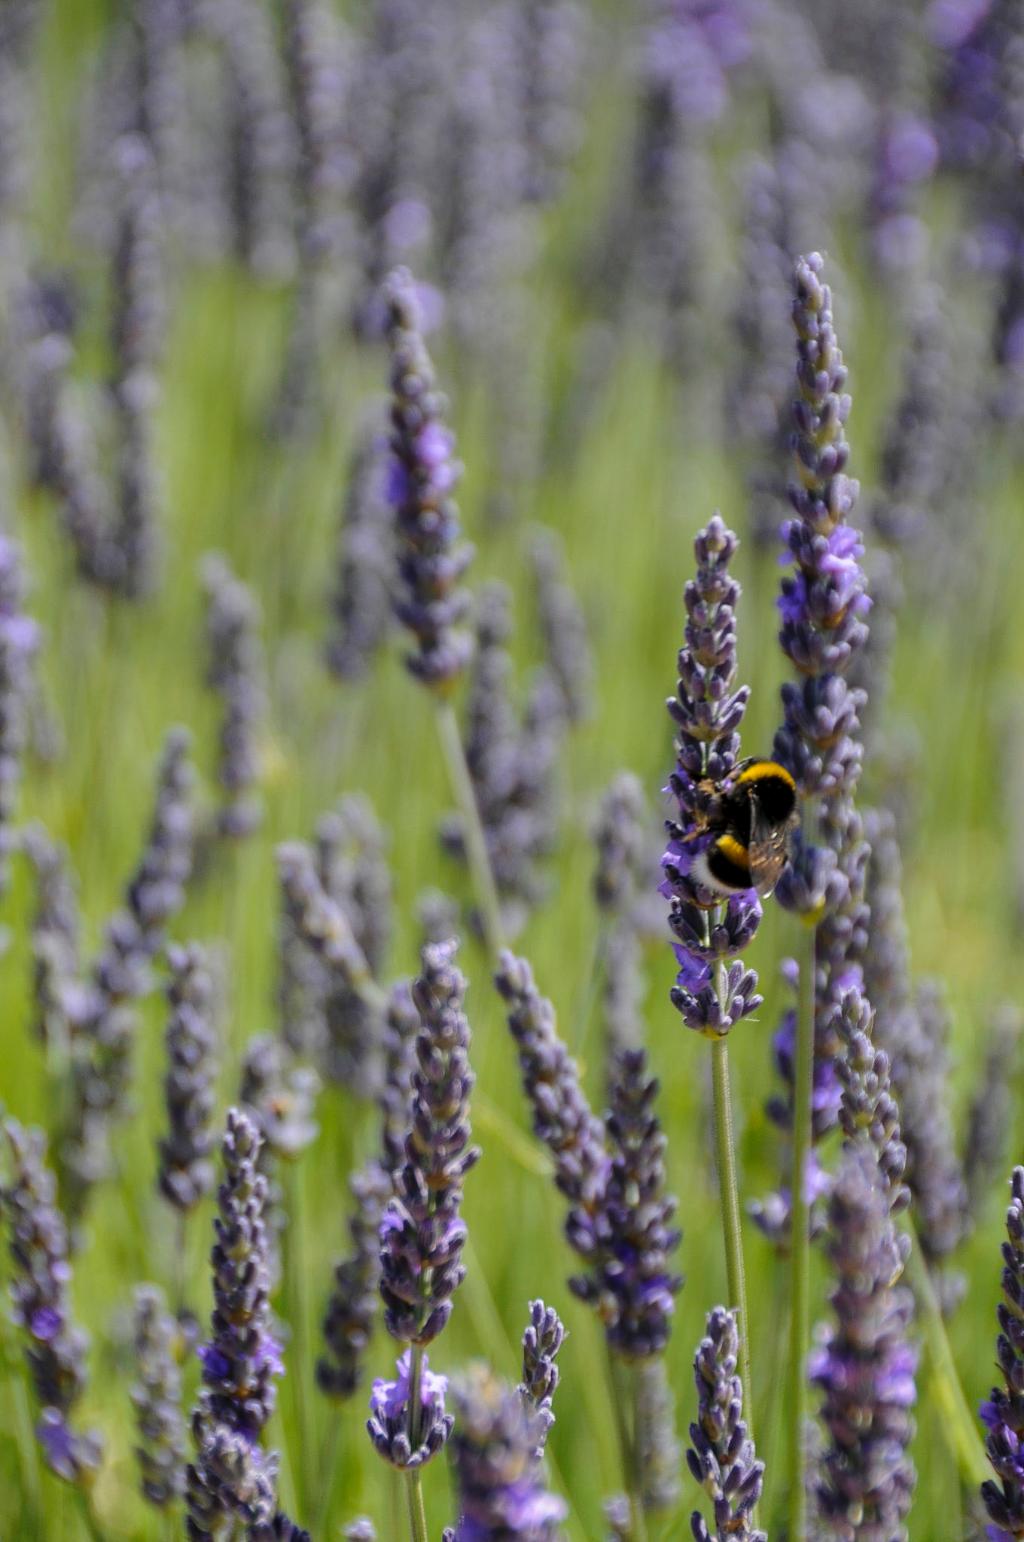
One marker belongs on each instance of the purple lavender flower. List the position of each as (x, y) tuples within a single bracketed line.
[(389, 1421), (236, 672), (186, 1172), (563, 625), (620, 835), (1003, 1412), (230, 1477), (707, 710), (280, 1097), (241, 1357), (40, 1282), (156, 1397), (619, 1218), (102, 1008), (19, 638), (867, 1108), (361, 611), (989, 1119), (352, 1308), (722, 1457), (361, 1529), (500, 1483), (632, 1286), (865, 1365), (137, 317), (422, 474), (543, 1338), (551, 36), (422, 1233), (56, 942)]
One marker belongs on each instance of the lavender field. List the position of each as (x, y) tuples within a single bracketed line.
[(412, 1027)]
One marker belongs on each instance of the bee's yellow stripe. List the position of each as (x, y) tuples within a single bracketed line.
[(760, 769), (735, 850)]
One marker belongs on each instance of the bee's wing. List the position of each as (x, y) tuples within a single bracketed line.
[(768, 848)]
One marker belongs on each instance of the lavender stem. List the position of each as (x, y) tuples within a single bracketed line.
[(417, 1513), (88, 1514), (800, 1235), (28, 1453), (728, 1183), (623, 1398), (476, 841), (298, 1313), (970, 1452)]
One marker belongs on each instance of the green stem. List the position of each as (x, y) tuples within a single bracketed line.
[(732, 1232), (28, 1452), (298, 1312), (624, 1400), (969, 1451), (88, 1514), (414, 1485), (476, 841), (328, 1470), (800, 1239), (417, 1512)]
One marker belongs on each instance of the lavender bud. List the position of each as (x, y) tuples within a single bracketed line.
[(632, 1285), (156, 891), (319, 920), (186, 1172), (156, 1396), (563, 626), (231, 1477), (137, 319), (361, 610), (421, 476), (868, 1107), (40, 1287), (501, 1485), (437, 915), (56, 926), (421, 1232), (722, 1457), (236, 672), (620, 835), (360, 1530), (707, 710), (389, 1422), (353, 868), (865, 1365), (934, 1173), (348, 1321), (401, 1026), (128, 559), (1003, 1412), (989, 1117), (279, 1097), (19, 639), (241, 1357), (543, 1338)]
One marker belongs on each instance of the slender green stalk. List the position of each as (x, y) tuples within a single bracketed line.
[(28, 1451), (327, 1471), (957, 1419), (624, 1401), (298, 1312), (476, 841), (414, 1485), (735, 1272), (800, 1239), (88, 1514)]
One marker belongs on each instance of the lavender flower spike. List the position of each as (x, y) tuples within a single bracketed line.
[(156, 1396), (388, 1424), (241, 1358), (19, 638), (422, 1233), (186, 1172), (235, 670), (865, 1365), (422, 474), (501, 1486), (543, 1338), (40, 1280), (707, 710), (722, 1457), (1003, 1413)]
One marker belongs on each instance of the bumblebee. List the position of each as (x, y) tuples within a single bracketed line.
[(750, 817)]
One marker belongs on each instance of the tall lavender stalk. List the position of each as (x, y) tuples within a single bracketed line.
[(156, 1398), (19, 638), (619, 1218), (422, 1233), (40, 1279), (1002, 1413), (821, 607), (722, 1457), (231, 1475), (432, 559), (501, 1485), (865, 1365), (713, 990), (235, 670)]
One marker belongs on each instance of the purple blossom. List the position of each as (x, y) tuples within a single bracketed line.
[(722, 1456), (501, 1485), (390, 1418)]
